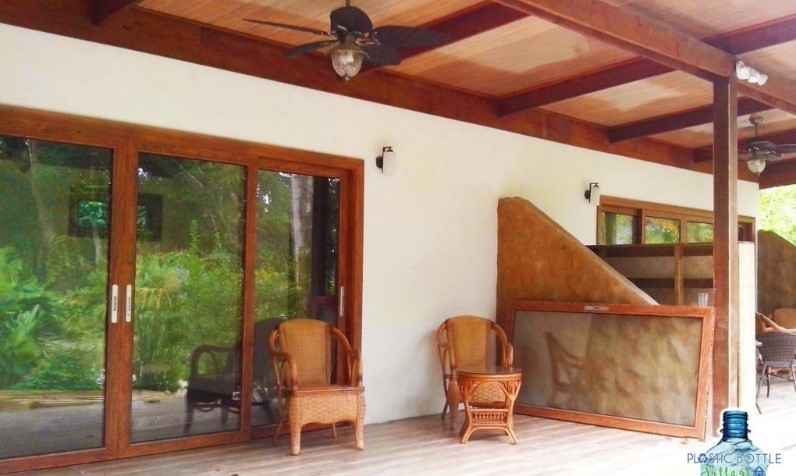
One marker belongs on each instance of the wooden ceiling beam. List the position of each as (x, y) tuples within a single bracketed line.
[(778, 174), (737, 42), (614, 75), (705, 154), (632, 32), (681, 120), (463, 25), (756, 37), (104, 10)]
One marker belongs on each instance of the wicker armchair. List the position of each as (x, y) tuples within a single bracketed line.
[(303, 361), (465, 341), (777, 352)]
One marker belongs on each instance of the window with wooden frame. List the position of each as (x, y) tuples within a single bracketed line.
[(625, 222)]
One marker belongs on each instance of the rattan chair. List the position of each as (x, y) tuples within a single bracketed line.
[(465, 341), (303, 362), (777, 352)]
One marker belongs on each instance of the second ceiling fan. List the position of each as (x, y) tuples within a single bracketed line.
[(353, 39), (759, 152)]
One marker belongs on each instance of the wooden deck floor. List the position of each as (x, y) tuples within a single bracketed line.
[(425, 446)]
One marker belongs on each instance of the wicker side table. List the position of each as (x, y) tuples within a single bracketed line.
[(488, 393)]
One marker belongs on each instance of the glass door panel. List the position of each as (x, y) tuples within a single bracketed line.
[(188, 298), (296, 267), (54, 218)]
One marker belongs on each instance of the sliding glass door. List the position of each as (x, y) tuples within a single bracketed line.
[(188, 316), (54, 235), (138, 289)]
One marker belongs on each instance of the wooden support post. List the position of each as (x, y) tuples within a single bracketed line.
[(679, 286), (725, 250)]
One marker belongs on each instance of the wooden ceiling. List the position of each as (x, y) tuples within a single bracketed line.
[(631, 77)]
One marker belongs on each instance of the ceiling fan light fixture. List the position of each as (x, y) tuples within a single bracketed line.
[(347, 59), (756, 165)]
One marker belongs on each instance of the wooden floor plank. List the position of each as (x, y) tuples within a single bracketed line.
[(426, 446)]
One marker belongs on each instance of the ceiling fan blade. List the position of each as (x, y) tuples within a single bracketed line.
[(408, 37), (786, 148), (307, 48), (350, 19), (763, 145), (382, 55), (292, 27)]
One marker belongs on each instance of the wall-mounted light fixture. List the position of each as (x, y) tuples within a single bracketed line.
[(750, 75), (386, 161), (592, 193)]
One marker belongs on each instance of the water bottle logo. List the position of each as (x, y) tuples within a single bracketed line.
[(734, 454)]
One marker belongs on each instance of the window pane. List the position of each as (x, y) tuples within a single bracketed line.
[(697, 232), (617, 229), (661, 230), (188, 298), (54, 215)]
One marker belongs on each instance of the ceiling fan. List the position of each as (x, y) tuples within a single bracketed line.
[(354, 39), (759, 152)]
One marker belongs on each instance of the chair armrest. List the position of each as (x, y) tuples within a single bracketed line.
[(285, 370), (508, 355), (446, 359), (354, 364)]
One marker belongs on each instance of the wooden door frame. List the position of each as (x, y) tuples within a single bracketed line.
[(127, 141)]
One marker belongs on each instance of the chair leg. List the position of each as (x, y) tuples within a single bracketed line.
[(334, 430), (359, 433), (189, 408), (793, 376), (282, 405), (444, 408), (295, 436), (768, 382), (759, 382), (453, 403)]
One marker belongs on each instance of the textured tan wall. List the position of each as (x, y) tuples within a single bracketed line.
[(540, 261), (776, 272)]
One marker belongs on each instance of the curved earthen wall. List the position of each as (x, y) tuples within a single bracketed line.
[(776, 272), (538, 260)]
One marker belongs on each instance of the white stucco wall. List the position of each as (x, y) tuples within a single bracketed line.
[(430, 231)]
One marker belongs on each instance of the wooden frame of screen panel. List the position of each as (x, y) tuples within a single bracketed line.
[(689, 312)]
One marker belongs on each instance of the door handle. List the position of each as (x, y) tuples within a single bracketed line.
[(341, 302), (128, 303), (114, 304)]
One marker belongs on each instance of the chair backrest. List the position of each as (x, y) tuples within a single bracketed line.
[(777, 347), (785, 317), (308, 341), (473, 340)]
